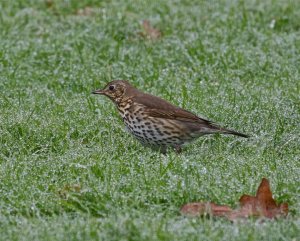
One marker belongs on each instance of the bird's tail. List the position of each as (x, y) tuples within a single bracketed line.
[(209, 127), (231, 132)]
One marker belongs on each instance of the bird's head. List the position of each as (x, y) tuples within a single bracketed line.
[(114, 90)]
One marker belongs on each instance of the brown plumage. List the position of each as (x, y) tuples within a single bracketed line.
[(156, 122)]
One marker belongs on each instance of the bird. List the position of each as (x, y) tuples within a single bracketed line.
[(156, 122)]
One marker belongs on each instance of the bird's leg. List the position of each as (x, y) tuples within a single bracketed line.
[(178, 149), (163, 150)]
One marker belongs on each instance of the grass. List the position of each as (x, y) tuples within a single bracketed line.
[(69, 171)]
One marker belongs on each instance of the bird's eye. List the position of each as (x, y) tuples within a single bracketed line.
[(111, 87)]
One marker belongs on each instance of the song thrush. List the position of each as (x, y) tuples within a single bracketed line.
[(156, 122)]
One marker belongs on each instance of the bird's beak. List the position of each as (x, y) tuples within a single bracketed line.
[(98, 92)]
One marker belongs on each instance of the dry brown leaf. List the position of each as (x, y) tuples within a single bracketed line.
[(87, 11), (49, 3), (261, 205), (69, 188), (150, 32), (198, 209)]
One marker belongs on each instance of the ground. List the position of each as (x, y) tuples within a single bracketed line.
[(69, 170)]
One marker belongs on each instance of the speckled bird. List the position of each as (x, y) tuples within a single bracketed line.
[(156, 122)]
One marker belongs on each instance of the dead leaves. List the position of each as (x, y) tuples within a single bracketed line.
[(261, 205), (150, 32), (198, 209), (67, 189), (49, 3), (87, 11)]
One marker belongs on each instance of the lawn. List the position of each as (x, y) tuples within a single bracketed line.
[(69, 170)]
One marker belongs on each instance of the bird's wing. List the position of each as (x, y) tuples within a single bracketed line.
[(156, 107), (179, 114), (159, 108)]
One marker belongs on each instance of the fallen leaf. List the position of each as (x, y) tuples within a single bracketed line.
[(261, 205), (49, 3), (87, 11), (150, 32), (69, 188), (198, 209)]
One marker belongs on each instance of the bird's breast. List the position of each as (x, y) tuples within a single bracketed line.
[(149, 130)]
